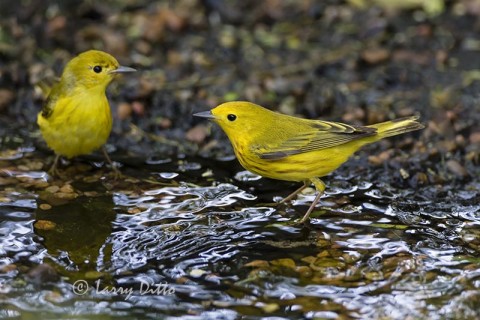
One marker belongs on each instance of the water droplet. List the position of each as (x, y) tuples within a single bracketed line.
[(246, 176), (168, 175)]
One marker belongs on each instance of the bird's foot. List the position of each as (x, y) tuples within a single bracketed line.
[(53, 171), (117, 174)]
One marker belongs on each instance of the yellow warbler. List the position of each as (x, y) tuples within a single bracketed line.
[(283, 147), (76, 118)]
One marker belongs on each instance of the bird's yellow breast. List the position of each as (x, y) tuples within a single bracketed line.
[(298, 167), (79, 124)]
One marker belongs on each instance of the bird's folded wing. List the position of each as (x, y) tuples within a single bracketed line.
[(46, 84), (51, 101), (323, 135)]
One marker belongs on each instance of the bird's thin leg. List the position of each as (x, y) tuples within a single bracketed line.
[(53, 171), (116, 172), (294, 193), (320, 186)]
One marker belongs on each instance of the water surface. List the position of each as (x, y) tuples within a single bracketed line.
[(203, 239)]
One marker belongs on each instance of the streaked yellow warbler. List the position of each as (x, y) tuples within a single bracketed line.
[(283, 147), (76, 118)]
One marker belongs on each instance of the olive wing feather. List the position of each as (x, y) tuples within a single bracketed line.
[(51, 101), (323, 135)]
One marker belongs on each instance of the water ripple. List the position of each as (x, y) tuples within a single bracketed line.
[(182, 201), (170, 229)]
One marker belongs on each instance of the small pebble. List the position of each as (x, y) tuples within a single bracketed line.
[(45, 225), (257, 264), (124, 110), (7, 268), (45, 206), (197, 273), (42, 273), (134, 210), (270, 307), (6, 98), (197, 134), (304, 271), (54, 297), (375, 55), (286, 262), (373, 275), (475, 137), (41, 184), (91, 193), (456, 168), (67, 188), (52, 189), (67, 196), (420, 178), (404, 173), (5, 200)]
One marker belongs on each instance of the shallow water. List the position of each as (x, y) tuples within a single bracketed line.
[(203, 239)]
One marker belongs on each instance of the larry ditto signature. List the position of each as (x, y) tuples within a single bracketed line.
[(81, 287)]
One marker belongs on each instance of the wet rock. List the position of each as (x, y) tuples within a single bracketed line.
[(66, 195), (91, 194), (419, 179), (198, 134), (286, 263), (6, 98), (351, 257), (54, 297), (56, 26), (52, 189), (45, 206), (124, 110), (153, 27), (67, 188), (4, 199), (257, 264), (134, 210), (115, 43), (473, 156), (381, 157), (269, 307), (375, 55), (304, 271), (374, 275), (197, 273), (138, 108), (456, 168), (462, 306), (45, 224), (322, 263), (8, 268), (42, 274), (354, 115), (475, 138)]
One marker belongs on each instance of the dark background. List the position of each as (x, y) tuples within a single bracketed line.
[(354, 61)]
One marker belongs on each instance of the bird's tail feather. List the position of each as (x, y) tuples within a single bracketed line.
[(397, 126)]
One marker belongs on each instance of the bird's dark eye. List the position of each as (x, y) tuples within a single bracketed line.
[(97, 69), (231, 117)]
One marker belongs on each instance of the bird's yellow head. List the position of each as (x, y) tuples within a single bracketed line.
[(239, 119), (92, 69)]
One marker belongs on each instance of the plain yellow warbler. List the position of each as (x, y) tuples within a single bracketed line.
[(76, 118), (283, 147)]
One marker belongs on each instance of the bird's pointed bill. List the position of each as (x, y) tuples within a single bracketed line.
[(122, 69), (204, 114)]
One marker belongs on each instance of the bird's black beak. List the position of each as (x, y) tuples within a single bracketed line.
[(205, 114)]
